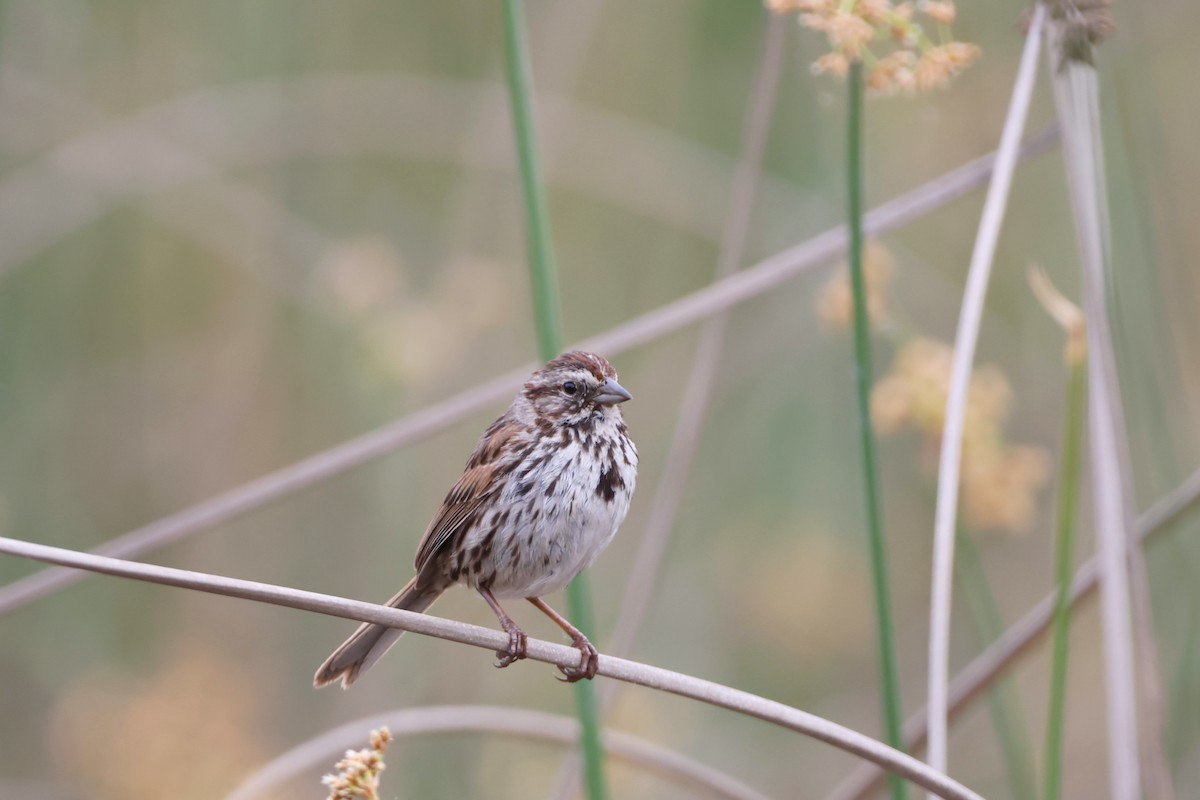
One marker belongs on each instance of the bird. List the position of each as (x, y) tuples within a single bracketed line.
[(543, 493)]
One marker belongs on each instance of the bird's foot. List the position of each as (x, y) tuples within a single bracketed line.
[(589, 661), (518, 644)]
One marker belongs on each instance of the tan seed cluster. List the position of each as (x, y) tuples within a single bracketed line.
[(916, 61), (1000, 481), (1000, 487), (940, 11), (358, 773)]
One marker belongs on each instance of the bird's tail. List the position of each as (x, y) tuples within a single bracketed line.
[(371, 641)]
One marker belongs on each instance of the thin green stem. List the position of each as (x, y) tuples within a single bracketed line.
[(542, 271), (587, 708), (548, 315), (1012, 730), (1068, 508), (888, 674)]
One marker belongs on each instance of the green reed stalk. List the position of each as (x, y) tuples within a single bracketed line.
[(548, 315), (1068, 509), (542, 270), (1012, 730), (888, 674)]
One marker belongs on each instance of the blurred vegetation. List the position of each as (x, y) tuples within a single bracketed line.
[(234, 234)]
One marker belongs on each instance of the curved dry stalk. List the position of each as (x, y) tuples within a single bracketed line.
[(698, 305), (969, 321), (489, 639), (506, 721), (223, 214), (219, 130), (978, 676)]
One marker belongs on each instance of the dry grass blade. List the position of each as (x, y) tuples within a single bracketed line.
[(489, 639), (1076, 96), (699, 305), (223, 214), (969, 322), (499, 720)]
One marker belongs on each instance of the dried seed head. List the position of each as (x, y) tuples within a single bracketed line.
[(358, 773), (1081, 24), (1000, 481), (894, 74), (941, 11), (853, 27), (1064, 312)]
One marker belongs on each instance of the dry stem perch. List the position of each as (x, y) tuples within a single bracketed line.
[(621, 669)]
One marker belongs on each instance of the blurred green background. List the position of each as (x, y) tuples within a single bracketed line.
[(233, 234)]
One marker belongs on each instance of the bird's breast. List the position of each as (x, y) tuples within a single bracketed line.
[(566, 504)]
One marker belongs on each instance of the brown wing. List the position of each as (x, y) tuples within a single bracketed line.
[(493, 457)]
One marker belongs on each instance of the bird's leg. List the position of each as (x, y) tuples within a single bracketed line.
[(589, 659), (517, 641)]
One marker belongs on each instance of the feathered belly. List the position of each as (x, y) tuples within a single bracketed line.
[(567, 519), (563, 542)]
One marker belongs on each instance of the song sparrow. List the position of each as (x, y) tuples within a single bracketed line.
[(544, 492)]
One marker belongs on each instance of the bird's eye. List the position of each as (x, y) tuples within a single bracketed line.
[(570, 388)]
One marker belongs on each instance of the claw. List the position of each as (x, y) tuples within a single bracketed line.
[(517, 647), (589, 662)]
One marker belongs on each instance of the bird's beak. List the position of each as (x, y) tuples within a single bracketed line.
[(611, 393)]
